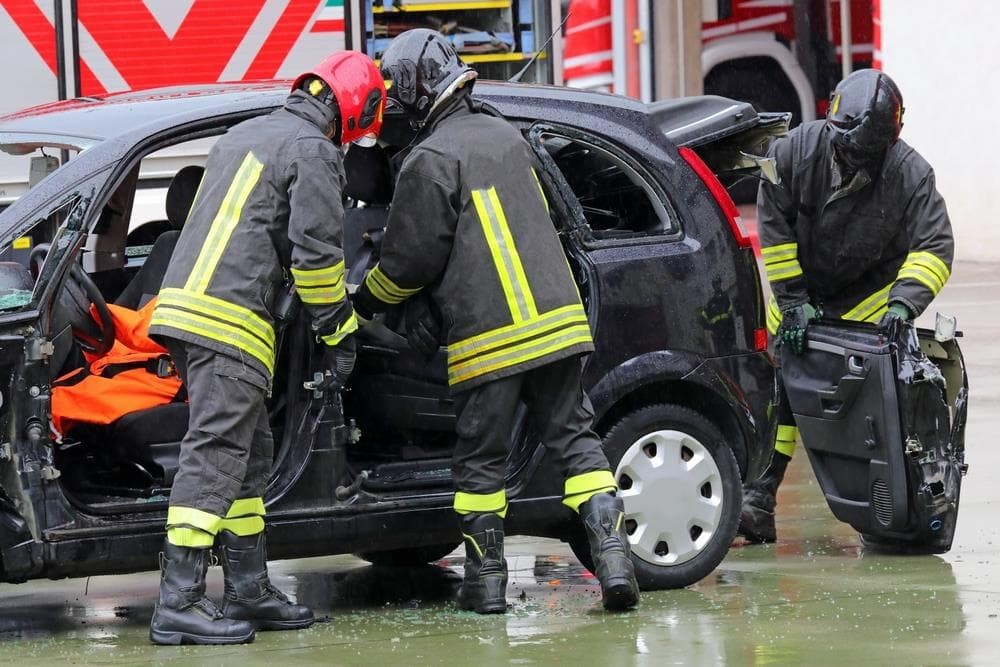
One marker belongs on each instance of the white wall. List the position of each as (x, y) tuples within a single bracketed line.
[(945, 56)]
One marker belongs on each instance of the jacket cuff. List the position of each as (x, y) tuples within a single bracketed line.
[(346, 328), (364, 302)]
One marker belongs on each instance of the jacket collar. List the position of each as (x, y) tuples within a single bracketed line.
[(309, 108)]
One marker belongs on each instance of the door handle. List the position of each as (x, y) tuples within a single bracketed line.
[(855, 364)]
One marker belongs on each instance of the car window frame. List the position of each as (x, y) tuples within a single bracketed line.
[(657, 195)]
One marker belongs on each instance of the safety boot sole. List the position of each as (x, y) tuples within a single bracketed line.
[(493, 606), (268, 626), (620, 595), (173, 638)]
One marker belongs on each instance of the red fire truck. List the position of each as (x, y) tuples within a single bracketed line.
[(779, 54), (752, 49), (56, 49)]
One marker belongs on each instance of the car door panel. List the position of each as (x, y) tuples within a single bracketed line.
[(883, 426)]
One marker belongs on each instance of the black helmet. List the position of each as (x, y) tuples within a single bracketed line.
[(865, 117), (419, 67)]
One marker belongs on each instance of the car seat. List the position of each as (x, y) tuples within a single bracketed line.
[(150, 439), (146, 282)]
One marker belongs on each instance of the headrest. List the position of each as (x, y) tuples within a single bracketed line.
[(368, 177), (180, 194)]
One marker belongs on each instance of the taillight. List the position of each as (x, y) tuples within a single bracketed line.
[(720, 194), (759, 340)]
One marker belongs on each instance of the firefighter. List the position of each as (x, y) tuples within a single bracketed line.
[(269, 205), (469, 224), (855, 230)]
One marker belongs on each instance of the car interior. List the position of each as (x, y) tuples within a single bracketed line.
[(397, 400)]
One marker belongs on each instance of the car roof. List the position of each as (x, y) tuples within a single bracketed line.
[(98, 118)]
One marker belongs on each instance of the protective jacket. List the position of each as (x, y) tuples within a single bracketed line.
[(270, 201), (469, 221), (851, 249)]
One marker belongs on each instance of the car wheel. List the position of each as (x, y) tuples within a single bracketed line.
[(408, 557), (681, 486)]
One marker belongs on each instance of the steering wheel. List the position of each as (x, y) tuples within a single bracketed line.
[(79, 292)]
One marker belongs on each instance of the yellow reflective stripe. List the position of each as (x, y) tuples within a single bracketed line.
[(243, 526), (475, 545), (783, 270), (512, 333), (541, 190), (518, 354), (224, 223), (786, 447), (322, 296), (787, 433), (246, 507), (773, 315), (481, 503), (385, 290), (325, 277), (230, 313), (589, 481), (193, 518), (578, 489), (213, 329), (932, 262), (869, 306), (348, 326), (505, 256), (574, 502), (779, 253), (926, 278), (190, 537)]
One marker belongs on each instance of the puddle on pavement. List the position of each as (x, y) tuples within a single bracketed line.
[(816, 597)]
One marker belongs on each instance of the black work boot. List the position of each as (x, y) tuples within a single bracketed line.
[(183, 614), (604, 518), (757, 514), (249, 594), (484, 589)]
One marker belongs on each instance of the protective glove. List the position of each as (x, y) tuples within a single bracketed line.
[(794, 321), (338, 362), (893, 318), (423, 325)]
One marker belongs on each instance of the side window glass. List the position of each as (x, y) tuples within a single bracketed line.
[(618, 202), (152, 212)]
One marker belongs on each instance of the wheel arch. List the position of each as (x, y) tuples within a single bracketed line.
[(698, 388), (732, 50)]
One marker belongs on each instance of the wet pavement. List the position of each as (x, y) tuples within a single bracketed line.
[(814, 598)]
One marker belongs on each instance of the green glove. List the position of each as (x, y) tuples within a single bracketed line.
[(893, 317), (794, 321)]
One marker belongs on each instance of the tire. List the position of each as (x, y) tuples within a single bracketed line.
[(408, 557), (679, 456), (760, 82)]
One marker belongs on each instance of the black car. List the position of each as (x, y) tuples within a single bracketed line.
[(681, 380)]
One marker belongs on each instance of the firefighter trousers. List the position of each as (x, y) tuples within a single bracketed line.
[(562, 416), (226, 455), (787, 432)]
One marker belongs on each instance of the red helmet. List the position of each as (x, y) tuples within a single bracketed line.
[(355, 82)]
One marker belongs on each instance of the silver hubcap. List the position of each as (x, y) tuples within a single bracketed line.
[(672, 490)]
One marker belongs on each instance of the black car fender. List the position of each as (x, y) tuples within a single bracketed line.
[(680, 378)]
